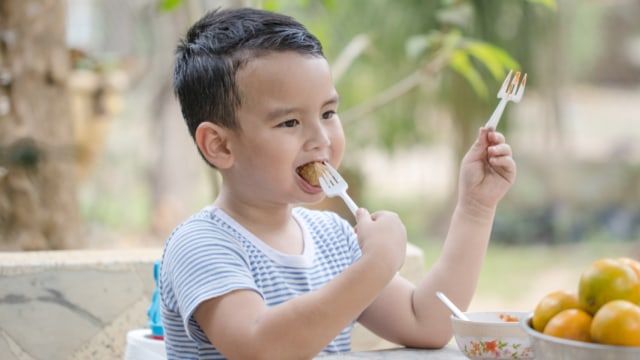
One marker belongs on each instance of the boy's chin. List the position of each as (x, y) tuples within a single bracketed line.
[(322, 203)]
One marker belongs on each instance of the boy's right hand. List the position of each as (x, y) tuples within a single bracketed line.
[(382, 236)]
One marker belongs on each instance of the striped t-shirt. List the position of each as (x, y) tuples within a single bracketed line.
[(210, 255)]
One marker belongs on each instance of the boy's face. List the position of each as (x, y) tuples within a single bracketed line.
[(288, 117)]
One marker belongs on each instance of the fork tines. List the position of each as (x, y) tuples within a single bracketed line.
[(513, 88), (327, 178), (332, 177), (514, 83), (333, 184)]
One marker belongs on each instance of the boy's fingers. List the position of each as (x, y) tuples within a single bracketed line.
[(483, 137), (362, 214), (496, 137)]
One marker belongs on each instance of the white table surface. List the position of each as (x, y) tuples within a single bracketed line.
[(449, 352)]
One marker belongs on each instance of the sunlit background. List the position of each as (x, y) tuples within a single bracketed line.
[(416, 79)]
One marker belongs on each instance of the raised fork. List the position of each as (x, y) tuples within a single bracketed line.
[(333, 184), (511, 90)]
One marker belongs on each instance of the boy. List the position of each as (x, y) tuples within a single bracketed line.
[(253, 276)]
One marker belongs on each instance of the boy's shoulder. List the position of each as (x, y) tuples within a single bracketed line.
[(203, 217), (206, 213)]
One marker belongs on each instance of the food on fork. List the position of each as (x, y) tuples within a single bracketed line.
[(311, 172)]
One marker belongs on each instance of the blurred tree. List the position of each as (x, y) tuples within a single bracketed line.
[(456, 55), (38, 205)]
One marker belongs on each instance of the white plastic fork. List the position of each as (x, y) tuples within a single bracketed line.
[(509, 91), (333, 184)]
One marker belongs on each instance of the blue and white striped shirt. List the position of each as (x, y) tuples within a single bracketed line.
[(210, 255)]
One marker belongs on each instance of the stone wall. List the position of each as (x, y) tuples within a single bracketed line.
[(80, 304), (73, 304)]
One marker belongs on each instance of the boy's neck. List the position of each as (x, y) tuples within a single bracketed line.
[(275, 226)]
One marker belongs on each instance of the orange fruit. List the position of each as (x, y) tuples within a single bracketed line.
[(632, 263), (605, 280), (572, 324), (550, 305), (617, 323)]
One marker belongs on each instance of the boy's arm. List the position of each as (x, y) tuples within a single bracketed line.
[(243, 327), (412, 315), (487, 172)]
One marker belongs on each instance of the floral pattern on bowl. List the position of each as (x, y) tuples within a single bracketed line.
[(492, 348)]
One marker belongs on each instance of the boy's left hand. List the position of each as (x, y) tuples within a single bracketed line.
[(487, 170)]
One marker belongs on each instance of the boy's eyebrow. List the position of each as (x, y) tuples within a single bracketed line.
[(333, 100), (281, 112)]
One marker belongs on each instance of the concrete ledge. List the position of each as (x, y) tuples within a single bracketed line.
[(73, 304), (80, 304)]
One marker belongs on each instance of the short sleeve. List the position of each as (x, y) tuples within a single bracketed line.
[(201, 261)]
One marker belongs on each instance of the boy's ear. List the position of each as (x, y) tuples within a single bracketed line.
[(212, 140)]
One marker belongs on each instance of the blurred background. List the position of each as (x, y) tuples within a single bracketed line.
[(94, 152)]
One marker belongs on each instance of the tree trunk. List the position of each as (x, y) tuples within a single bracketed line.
[(38, 200)]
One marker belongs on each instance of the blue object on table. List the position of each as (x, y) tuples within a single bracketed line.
[(154, 314)]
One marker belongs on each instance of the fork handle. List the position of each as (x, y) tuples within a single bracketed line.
[(347, 200), (497, 113)]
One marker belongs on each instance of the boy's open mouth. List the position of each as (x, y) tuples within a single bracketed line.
[(311, 172)]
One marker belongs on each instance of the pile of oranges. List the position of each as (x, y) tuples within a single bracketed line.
[(605, 309)]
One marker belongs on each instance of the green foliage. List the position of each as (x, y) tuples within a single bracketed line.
[(169, 5), (495, 59), (463, 51), (482, 41), (279, 5), (551, 4)]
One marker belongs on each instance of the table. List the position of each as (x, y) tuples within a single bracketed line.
[(141, 346), (449, 352)]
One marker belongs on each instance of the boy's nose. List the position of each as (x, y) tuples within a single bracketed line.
[(318, 137)]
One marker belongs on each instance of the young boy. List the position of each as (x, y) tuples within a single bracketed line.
[(254, 276)]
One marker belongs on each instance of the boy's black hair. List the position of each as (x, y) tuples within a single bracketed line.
[(220, 43)]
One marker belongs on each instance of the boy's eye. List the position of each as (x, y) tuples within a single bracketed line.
[(328, 114), (289, 123)]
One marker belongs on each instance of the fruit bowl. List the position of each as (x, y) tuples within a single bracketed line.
[(549, 347), (492, 335)]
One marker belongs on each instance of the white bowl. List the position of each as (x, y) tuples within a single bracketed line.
[(488, 335), (551, 348)]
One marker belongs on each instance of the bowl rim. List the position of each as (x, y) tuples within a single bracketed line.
[(520, 314), (536, 335)]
